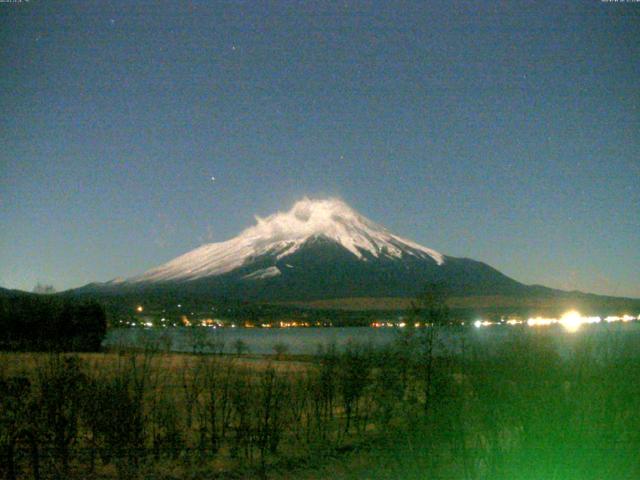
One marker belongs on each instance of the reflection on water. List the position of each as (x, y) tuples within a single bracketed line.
[(604, 336)]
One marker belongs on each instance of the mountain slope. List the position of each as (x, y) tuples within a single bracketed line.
[(283, 234), (320, 249)]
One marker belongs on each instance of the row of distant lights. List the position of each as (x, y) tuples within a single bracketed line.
[(164, 324), (571, 321)]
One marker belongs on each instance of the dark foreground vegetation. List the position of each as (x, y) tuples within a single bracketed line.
[(522, 412), (30, 322)]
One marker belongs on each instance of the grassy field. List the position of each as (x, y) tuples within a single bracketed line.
[(521, 412)]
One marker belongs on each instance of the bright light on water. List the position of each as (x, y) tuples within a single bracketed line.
[(483, 323), (571, 321), (539, 321)]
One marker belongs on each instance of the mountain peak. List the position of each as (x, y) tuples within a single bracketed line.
[(334, 219), (283, 233), (309, 217)]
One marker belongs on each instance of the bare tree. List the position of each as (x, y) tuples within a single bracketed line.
[(280, 349), (14, 423), (430, 309), (240, 346), (44, 289), (61, 385)]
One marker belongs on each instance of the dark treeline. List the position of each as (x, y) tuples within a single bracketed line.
[(30, 322), (521, 412)]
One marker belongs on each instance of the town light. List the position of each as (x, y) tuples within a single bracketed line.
[(571, 321)]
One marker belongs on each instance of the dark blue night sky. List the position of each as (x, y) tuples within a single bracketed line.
[(508, 132)]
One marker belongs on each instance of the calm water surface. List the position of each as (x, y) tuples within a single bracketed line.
[(607, 338)]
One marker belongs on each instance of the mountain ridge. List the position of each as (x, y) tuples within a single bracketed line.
[(316, 250), (282, 234), (319, 250)]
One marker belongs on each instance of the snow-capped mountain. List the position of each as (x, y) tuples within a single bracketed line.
[(318, 249), (282, 234)]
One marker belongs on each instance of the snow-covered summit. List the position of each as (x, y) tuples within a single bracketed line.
[(283, 233)]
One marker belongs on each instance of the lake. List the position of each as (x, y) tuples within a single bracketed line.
[(607, 338)]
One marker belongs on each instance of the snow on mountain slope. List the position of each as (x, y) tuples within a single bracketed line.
[(283, 233), (263, 273)]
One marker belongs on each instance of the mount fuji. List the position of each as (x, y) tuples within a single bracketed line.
[(319, 249)]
